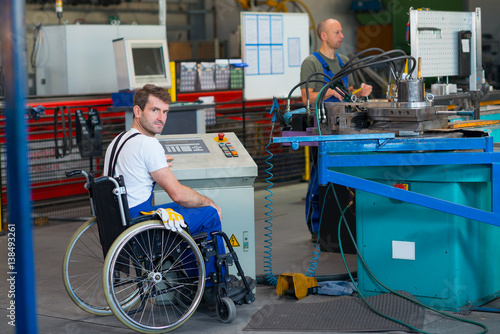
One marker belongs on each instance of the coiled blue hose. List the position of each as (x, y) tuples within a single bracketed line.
[(268, 268)]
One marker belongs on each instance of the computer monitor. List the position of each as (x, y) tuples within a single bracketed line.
[(141, 61)]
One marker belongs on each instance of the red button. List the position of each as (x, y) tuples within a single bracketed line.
[(403, 186), (221, 136)]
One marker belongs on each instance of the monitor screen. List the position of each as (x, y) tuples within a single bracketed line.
[(148, 61), (141, 61)]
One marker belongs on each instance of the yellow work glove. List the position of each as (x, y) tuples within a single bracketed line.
[(171, 219)]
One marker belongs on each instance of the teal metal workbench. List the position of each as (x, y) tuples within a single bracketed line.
[(436, 240)]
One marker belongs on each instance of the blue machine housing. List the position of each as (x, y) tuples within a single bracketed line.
[(451, 257)]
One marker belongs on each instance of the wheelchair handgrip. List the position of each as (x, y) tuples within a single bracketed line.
[(73, 172)]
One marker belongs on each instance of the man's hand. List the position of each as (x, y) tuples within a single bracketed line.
[(365, 90), (169, 160), (216, 207)]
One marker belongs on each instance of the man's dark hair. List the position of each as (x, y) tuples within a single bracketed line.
[(141, 95)]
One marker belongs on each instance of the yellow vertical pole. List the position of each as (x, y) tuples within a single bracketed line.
[(173, 90), (307, 169)]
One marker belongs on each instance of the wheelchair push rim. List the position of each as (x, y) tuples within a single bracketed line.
[(165, 267)]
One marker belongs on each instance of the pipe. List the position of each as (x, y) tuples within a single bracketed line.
[(21, 272)]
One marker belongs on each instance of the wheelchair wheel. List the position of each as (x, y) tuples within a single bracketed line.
[(226, 310), (82, 270), (165, 267)]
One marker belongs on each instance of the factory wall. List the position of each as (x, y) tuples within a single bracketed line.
[(221, 19), (228, 19)]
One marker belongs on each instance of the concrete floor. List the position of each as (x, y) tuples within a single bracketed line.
[(292, 250)]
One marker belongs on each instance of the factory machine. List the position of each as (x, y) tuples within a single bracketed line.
[(219, 167), (427, 193)]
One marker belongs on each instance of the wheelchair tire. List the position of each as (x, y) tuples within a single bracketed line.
[(226, 310), (165, 267), (82, 270)]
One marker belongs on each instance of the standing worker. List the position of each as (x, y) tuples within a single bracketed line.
[(326, 60)]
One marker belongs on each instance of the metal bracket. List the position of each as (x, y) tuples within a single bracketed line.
[(382, 142), (120, 191)]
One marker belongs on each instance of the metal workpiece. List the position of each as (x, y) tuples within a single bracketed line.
[(348, 118), (408, 128), (345, 117), (411, 90), (405, 111)]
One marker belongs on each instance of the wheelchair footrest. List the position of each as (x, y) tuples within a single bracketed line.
[(238, 293)]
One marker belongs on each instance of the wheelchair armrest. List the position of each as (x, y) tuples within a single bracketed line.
[(143, 218), (201, 235)]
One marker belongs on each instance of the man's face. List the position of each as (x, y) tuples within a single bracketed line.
[(334, 35), (152, 119)]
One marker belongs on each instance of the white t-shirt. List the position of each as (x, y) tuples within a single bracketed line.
[(139, 157)]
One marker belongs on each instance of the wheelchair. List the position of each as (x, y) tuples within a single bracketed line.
[(151, 278)]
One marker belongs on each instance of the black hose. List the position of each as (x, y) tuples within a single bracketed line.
[(348, 71), (302, 83)]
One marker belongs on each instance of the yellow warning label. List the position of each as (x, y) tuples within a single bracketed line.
[(234, 242)]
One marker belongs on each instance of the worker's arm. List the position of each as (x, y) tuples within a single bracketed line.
[(313, 95), (181, 194)]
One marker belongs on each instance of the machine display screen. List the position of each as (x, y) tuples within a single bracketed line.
[(148, 61), (184, 146)]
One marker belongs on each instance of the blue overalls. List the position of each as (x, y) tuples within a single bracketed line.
[(312, 197), (202, 219), (328, 71)]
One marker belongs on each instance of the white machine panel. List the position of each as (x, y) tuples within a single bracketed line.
[(200, 163), (79, 59), (434, 37)]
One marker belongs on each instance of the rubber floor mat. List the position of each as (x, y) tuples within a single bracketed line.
[(349, 314)]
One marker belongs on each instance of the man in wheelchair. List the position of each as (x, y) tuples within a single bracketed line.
[(140, 158)]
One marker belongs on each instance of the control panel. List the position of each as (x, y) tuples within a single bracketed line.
[(226, 146), (209, 156)]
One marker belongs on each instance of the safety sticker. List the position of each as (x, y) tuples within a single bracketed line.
[(234, 242)]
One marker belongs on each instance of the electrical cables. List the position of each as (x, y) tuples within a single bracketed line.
[(36, 46), (313, 264)]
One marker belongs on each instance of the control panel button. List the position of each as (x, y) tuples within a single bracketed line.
[(226, 146)]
